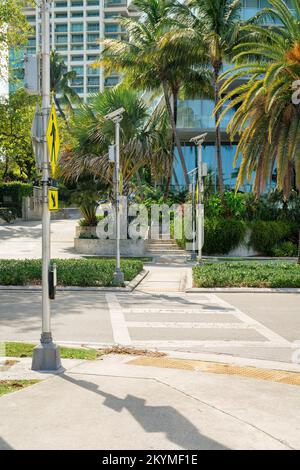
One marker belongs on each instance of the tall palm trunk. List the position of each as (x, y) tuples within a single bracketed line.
[(57, 104), (175, 107), (218, 131), (175, 134)]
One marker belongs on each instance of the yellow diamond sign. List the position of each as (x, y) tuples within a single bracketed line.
[(53, 140), (53, 199)]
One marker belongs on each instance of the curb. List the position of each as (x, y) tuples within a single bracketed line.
[(244, 290), (137, 280)]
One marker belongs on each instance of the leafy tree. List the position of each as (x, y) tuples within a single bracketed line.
[(16, 154), (13, 26), (59, 83), (150, 64), (268, 122), (143, 138), (211, 26)]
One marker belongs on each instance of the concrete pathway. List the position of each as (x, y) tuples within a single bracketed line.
[(166, 278), (111, 404), (23, 240)]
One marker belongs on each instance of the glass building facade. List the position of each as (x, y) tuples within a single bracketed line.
[(196, 116)]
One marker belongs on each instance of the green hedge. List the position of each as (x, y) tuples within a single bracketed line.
[(70, 272), (222, 235), (11, 195), (265, 235), (272, 238), (247, 274)]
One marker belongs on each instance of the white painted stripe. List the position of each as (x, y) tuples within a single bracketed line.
[(118, 323), (207, 344), (190, 325), (178, 310), (263, 330)]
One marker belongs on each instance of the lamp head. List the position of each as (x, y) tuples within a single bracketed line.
[(199, 139)]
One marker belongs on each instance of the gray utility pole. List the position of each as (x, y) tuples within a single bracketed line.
[(46, 355), (116, 117), (199, 141)]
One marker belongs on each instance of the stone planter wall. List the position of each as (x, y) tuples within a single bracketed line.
[(99, 247)]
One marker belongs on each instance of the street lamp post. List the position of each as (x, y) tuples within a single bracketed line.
[(193, 175), (116, 117), (46, 355), (198, 141)]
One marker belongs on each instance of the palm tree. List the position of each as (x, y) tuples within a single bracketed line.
[(267, 120), (59, 83), (145, 58), (143, 138), (211, 26)]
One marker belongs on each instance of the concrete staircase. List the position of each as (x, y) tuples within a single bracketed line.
[(165, 251)]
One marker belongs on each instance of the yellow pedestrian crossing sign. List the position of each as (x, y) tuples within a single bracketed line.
[(53, 199), (53, 140)]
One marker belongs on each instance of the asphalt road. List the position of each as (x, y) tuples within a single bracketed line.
[(264, 326)]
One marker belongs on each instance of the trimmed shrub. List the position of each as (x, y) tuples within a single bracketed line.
[(11, 195), (220, 235), (247, 274), (285, 249), (267, 234), (223, 235), (70, 272)]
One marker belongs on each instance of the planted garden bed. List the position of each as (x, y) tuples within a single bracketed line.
[(247, 274), (70, 272)]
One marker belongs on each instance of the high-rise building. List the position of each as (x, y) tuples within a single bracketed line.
[(196, 116), (77, 26)]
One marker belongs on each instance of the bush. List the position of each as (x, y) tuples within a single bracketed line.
[(285, 249), (231, 206), (222, 235), (247, 274), (266, 235), (11, 195), (70, 272)]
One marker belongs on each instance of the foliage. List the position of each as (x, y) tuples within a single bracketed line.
[(8, 386), (222, 235), (265, 235), (59, 84), (86, 222), (230, 205), (267, 64), (150, 63), (70, 272), (211, 26), (8, 215), (16, 115), (25, 350), (11, 195), (149, 195), (247, 274), (289, 249), (13, 25), (143, 138)]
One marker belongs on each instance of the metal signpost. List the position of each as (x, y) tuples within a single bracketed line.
[(46, 355)]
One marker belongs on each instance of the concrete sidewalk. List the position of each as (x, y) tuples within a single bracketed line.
[(111, 404), (166, 278)]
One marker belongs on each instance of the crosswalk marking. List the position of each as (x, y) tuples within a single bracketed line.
[(207, 305)]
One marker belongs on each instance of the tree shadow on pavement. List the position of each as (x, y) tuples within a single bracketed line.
[(154, 419)]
